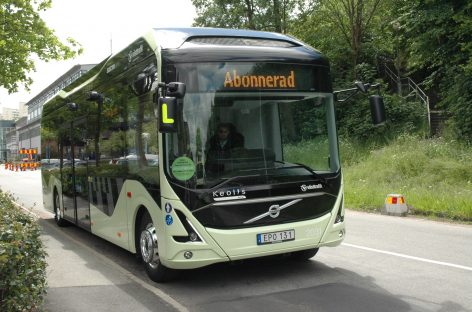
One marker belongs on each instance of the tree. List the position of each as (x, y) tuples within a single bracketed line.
[(353, 18), (439, 35), (24, 36), (323, 34), (267, 15), (349, 32)]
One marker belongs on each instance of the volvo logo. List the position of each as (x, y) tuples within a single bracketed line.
[(274, 211)]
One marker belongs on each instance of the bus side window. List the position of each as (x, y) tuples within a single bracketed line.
[(142, 142)]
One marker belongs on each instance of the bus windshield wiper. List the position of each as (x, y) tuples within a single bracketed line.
[(226, 181), (298, 165)]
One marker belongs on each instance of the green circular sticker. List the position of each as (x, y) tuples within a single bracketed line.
[(183, 168)]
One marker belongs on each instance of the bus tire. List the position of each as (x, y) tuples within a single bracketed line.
[(154, 268), (60, 221), (304, 254)]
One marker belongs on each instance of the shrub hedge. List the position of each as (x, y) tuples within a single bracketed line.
[(22, 260)]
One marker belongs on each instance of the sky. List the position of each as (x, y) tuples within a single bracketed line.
[(100, 26)]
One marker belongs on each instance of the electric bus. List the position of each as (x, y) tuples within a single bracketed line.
[(132, 151)]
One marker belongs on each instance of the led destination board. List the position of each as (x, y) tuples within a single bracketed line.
[(252, 76)]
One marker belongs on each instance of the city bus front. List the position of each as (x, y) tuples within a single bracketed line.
[(253, 166)]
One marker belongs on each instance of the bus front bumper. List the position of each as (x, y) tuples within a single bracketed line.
[(237, 244)]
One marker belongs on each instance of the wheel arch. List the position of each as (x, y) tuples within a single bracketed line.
[(140, 212)]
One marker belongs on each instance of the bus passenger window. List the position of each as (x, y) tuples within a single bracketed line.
[(142, 156)]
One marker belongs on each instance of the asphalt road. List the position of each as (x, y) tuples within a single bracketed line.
[(385, 264)]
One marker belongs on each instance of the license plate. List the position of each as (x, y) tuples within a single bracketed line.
[(275, 237)]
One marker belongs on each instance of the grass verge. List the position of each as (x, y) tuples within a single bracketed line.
[(434, 175)]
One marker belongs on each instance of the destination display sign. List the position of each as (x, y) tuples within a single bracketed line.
[(234, 80), (229, 76)]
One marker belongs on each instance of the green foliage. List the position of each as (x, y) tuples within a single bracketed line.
[(323, 34), (458, 100), (428, 39), (268, 15), (438, 34), (22, 260), (23, 37), (435, 176), (355, 123), (332, 28), (347, 32), (310, 152), (404, 116)]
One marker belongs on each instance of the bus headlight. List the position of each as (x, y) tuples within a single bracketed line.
[(194, 237)]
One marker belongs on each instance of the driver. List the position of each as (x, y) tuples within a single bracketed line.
[(225, 139)]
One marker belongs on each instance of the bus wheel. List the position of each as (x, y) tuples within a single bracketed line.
[(149, 252), (57, 211), (304, 254)]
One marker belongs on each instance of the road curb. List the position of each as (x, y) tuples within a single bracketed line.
[(37, 214)]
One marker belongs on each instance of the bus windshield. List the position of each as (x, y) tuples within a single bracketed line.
[(251, 131)]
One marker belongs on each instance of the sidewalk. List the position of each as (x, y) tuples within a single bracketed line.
[(80, 278)]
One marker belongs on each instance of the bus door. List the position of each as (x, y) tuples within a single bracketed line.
[(67, 173), (75, 191)]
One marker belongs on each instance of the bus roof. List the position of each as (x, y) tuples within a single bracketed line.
[(198, 45), (178, 39), (173, 38)]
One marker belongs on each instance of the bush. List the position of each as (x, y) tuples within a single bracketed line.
[(457, 103), (22, 260)]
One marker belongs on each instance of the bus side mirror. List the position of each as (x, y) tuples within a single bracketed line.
[(167, 114), (176, 89), (377, 109)]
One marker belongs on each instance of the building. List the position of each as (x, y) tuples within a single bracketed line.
[(5, 127), (23, 109), (27, 130), (12, 143), (9, 113), (14, 113), (28, 135)]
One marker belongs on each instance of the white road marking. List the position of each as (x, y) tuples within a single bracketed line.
[(452, 265)]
